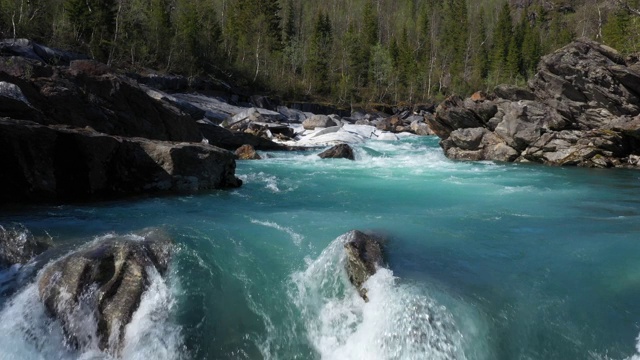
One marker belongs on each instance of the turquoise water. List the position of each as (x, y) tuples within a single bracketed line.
[(486, 261)]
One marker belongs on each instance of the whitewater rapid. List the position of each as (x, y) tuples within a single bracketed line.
[(28, 332), (398, 322), (485, 261)]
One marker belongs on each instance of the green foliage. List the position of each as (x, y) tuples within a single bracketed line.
[(319, 53), (622, 31), (338, 50), (502, 34)]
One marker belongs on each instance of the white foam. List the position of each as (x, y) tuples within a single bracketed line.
[(637, 355), (27, 332), (271, 182), (295, 237), (398, 322), (151, 332)]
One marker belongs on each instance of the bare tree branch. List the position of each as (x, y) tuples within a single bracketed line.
[(625, 5)]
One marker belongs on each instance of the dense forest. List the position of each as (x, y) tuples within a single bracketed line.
[(342, 51)]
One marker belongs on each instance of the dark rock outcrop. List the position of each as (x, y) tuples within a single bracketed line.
[(105, 280), (230, 140), (340, 151), (582, 108), (18, 245), (364, 257), (34, 51), (79, 131), (57, 163), (247, 152), (88, 93)]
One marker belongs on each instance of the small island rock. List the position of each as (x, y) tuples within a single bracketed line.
[(106, 279), (364, 257), (340, 151), (247, 152)]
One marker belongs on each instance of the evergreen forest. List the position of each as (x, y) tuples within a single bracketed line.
[(338, 51)]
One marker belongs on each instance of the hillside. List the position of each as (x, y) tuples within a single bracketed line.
[(345, 52)]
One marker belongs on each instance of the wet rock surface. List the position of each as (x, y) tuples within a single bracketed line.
[(104, 280), (341, 151), (364, 257), (18, 245)]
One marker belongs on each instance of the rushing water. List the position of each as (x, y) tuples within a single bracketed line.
[(486, 261)]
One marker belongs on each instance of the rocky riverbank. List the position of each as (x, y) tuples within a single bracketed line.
[(73, 129), (582, 108)]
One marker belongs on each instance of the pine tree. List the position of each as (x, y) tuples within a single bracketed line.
[(320, 48), (502, 34), (531, 47), (290, 30), (481, 56), (371, 26), (455, 39), (616, 31)]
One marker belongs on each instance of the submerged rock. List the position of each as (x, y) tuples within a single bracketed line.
[(340, 151), (364, 257), (106, 281), (18, 245)]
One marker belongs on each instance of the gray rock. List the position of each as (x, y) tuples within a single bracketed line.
[(340, 151), (292, 115), (13, 103), (230, 140), (513, 93), (450, 115), (582, 108), (18, 245), (244, 118), (318, 121), (89, 94), (106, 280), (364, 257), (419, 127), (31, 50), (81, 164), (468, 139)]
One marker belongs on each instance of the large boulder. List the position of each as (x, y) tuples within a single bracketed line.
[(340, 151), (104, 280), (54, 163), (318, 121), (581, 109), (18, 245), (89, 94), (364, 257)]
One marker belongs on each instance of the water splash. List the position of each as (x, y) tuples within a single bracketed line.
[(295, 237), (27, 332), (399, 321)]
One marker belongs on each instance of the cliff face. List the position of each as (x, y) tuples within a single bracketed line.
[(581, 108), (82, 132)]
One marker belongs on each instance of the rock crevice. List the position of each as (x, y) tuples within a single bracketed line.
[(582, 108)]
